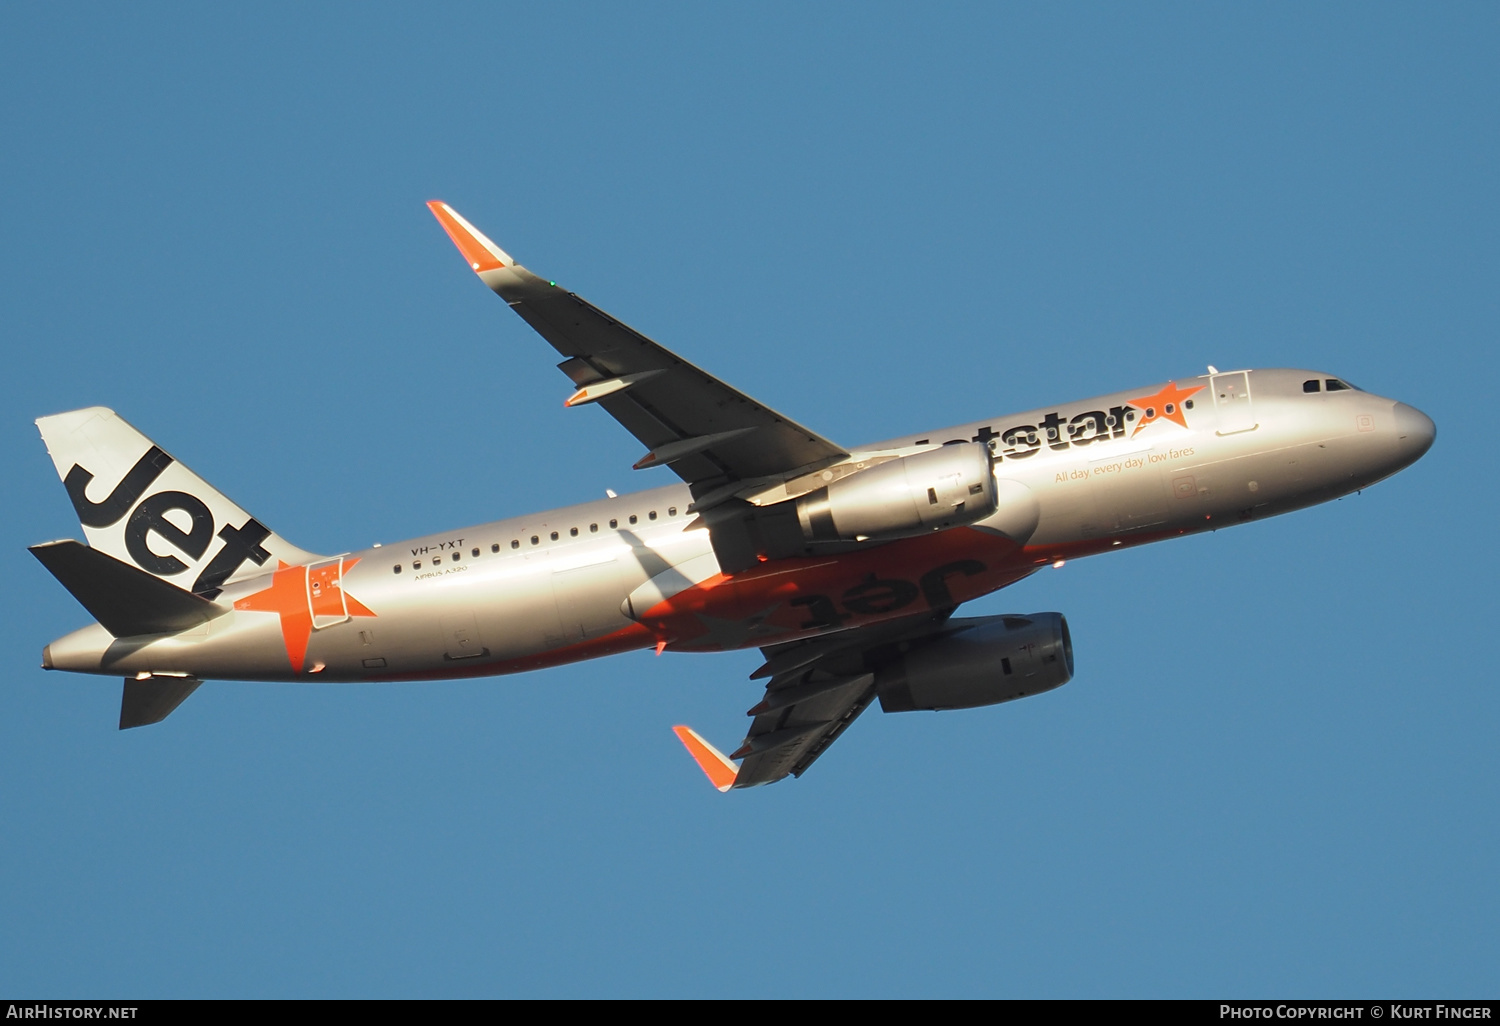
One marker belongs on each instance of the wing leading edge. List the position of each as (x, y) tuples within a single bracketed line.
[(709, 433)]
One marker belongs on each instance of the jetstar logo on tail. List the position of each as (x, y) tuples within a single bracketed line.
[(150, 517), (1166, 404), (298, 594)]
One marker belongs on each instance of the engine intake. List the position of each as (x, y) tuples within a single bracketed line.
[(912, 495), (986, 660)]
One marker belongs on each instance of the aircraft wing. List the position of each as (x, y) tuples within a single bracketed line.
[(817, 688), (710, 434), (802, 714)]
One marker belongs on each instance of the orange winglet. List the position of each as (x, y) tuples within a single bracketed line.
[(720, 771), (480, 252)]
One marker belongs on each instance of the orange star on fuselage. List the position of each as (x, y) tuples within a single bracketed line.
[(289, 598), (1166, 403)]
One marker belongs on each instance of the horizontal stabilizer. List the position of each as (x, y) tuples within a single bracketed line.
[(124, 600), (720, 771), (153, 699)]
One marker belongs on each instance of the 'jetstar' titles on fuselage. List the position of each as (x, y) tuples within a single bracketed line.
[(1059, 431)]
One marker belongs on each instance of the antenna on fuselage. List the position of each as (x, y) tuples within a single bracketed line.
[(1212, 369)]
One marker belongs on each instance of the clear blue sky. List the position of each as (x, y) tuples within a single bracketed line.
[(1276, 770)]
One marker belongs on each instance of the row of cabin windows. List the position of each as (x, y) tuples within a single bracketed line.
[(515, 543), (1328, 385)]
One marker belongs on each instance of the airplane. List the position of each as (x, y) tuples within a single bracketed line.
[(843, 565)]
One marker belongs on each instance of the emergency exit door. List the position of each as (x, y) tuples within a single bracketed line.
[(325, 593)]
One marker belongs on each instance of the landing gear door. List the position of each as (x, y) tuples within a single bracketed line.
[(325, 593), (1232, 402)]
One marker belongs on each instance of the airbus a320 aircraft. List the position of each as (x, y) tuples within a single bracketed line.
[(843, 565)]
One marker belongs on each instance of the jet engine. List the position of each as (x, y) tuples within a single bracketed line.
[(945, 487), (985, 660)]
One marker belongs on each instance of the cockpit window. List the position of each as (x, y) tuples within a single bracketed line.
[(1335, 385), (1310, 385)]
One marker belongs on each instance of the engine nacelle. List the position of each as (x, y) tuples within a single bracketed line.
[(928, 491), (988, 659)]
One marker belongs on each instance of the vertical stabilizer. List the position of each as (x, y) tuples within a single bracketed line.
[(139, 505)]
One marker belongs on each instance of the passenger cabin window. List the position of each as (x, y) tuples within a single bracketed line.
[(416, 564), (436, 560), (535, 539), (614, 523), (1335, 385), (633, 518), (1310, 385), (651, 515), (593, 529), (455, 556), (554, 536), (475, 551), (396, 569), (515, 543), (671, 511), (573, 532), (496, 547)]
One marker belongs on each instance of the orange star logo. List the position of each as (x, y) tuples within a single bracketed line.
[(297, 594), (1164, 404)]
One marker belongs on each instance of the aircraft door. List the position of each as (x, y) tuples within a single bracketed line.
[(1232, 402), (325, 593)]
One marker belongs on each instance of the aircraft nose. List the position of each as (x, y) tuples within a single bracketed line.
[(1414, 432)]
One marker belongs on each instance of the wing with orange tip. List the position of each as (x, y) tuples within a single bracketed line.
[(710, 434), (816, 689), (482, 254), (715, 765)]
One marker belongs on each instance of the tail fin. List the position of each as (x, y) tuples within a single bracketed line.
[(144, 508)]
